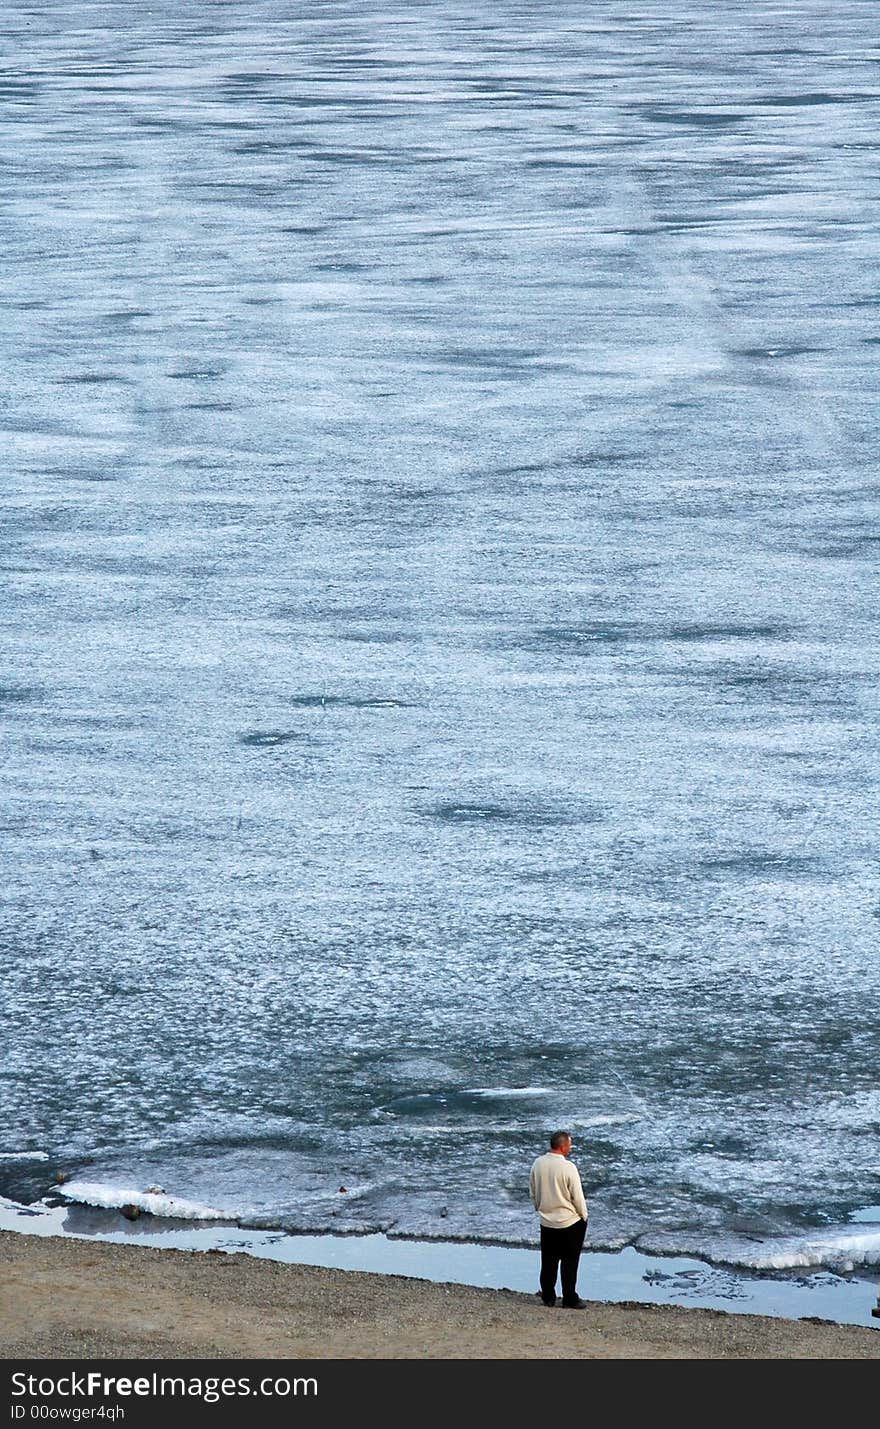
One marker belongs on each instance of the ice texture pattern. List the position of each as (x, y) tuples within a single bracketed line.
[(439, 676)]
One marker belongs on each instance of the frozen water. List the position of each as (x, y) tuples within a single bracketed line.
[(438, 599)]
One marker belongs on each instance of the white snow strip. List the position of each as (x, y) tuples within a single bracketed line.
[(95, 1193), (507, 1091)]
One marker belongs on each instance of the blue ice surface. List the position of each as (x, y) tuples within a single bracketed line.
[(439, 601)]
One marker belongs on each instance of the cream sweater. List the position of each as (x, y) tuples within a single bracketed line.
[(556, 1191)]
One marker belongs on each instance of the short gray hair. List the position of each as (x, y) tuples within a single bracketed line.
[(557, 1138)]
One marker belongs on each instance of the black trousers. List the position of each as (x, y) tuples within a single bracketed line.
[(561, 1247)]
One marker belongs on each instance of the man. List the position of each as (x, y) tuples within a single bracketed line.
[(558, 1197)]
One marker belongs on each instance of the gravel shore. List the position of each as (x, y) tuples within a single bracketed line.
[(65, 1298)]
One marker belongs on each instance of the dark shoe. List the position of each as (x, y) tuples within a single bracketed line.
[(548, 1303), (574, 1304)]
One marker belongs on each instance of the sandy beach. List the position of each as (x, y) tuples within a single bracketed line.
[(70, 1299)]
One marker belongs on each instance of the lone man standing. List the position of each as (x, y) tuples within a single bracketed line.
[(558, 1197)]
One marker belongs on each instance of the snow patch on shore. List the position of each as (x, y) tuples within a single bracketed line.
[(153, 1203), (840, 1249)]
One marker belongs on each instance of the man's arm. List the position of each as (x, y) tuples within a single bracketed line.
[(533, 1187), (577, 1193)]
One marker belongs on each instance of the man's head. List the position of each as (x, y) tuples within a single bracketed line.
[(560, 1141)]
